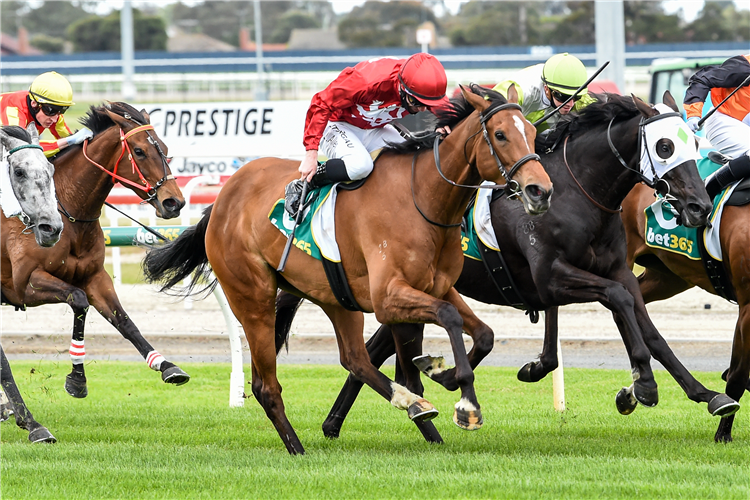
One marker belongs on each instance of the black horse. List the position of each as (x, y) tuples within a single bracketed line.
[(574, 253)]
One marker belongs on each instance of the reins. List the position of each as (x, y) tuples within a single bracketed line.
[(597, 204)]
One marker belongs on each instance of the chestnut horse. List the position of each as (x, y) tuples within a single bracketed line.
[(573, 253), (72, 272), (667, 274), (399, 240)]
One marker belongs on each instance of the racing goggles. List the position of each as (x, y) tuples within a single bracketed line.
[(52, 110), (411, 101), (560, 97)]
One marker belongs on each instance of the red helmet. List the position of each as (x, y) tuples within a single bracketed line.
[(423, 77)]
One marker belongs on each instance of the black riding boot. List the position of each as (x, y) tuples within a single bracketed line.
[(328, 172), (733, 170)]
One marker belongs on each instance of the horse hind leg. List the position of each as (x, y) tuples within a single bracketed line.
[(24, 419), (738, 374)]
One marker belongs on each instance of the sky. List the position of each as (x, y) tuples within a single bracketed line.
[(690, 8)]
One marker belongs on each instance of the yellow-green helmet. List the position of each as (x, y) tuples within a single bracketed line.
[(52, 88), (564, 73)]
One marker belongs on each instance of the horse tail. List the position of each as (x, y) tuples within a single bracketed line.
[(178, 259)]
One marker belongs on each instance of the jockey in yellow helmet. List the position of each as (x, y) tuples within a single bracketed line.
[(48, 98), (543, 87)]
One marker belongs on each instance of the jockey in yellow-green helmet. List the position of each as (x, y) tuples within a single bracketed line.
[(543, 87)]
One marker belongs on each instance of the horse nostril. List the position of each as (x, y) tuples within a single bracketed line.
[(172, 205), (46, 228)]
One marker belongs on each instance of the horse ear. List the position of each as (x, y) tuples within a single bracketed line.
[(669, 101), (479, 103), (512, 94), (644, 108), (33, 132), (145, 115), (121, 121)]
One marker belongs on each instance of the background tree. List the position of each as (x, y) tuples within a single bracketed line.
[(646, 22), (499, 23), (711, 25), (290, 21), (95, 33), (380, 24)]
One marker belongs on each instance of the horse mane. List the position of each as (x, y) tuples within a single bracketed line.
[(457, 111), (607, 107), (17, 132), (97, 119)]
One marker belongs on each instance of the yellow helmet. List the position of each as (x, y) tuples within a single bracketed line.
[(564, 73), (52, 88)]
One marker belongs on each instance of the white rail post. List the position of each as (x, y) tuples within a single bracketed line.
[(187, 191), (237, 378), (558, 381)]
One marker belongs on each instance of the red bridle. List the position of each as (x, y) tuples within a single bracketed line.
[(145, 186)]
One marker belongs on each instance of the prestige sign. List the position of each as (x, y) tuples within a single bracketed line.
[(220, 136)]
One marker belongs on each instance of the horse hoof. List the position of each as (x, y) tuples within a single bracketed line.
[(647, 396), (41, 435), (174, 375), (76, 386), (429, 365), (532, 372), (468, 420), (422, 410), (625, 401), (722, 406), (6, 410)]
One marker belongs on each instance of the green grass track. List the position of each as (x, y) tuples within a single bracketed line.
[(136, 437)]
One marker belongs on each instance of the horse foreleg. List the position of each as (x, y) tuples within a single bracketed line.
[(718, 404), (24, 419), (534, 371), (348, 326), (75, 381), (380, 347), (101, 295), (483, 341), (404, 304)]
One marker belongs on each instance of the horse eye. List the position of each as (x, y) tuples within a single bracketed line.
[(139, 152), (19, 172), (499, 135), (664, 148)]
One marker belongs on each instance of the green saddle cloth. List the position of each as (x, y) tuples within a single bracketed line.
[(663, 232), (303, 237), (469, 238)]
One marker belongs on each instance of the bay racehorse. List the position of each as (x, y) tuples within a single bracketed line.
[(575, 252), (398, 236), (667, 274), (30, 175), (31, 179), (125, 149)]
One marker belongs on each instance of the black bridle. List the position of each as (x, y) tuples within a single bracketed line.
[(511, 188)]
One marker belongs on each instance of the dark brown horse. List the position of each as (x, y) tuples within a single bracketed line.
[(667, 274), (398, 236), (124, 149), (573, 253)]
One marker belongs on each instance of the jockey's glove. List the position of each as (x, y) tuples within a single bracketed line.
[(693, 123), (80, 136)]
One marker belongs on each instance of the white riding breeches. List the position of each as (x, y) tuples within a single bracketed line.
[(729, 135), (353, 145)]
